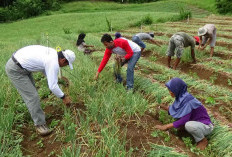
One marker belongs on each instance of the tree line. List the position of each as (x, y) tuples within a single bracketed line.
[(11, 10)]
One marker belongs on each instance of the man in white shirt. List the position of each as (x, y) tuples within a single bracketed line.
[(37, 58)]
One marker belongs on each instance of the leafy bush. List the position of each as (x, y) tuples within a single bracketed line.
[(27, 8), (4, 14), (21, 9), (67, 30), (183, 15), (147, 20), (224, 6)]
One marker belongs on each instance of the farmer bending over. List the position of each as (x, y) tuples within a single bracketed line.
[(189, 111), (178, 41), (81, 45), (125, 50), (207, 36), (36, 58), (144, 36)]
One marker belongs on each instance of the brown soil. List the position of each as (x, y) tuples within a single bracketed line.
[(220, 18), (226, 30), (195, 22), (49, 143), (138, 135), (159, 33), (223, 55), (146, 53), (201, 71), (224, 44), (224, 36)]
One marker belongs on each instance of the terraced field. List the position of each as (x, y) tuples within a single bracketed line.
[(209, 80), (105, 120)]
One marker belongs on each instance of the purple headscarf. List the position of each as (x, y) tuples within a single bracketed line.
[(183, 103)]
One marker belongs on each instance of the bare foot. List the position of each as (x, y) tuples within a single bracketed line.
[(202, 144)]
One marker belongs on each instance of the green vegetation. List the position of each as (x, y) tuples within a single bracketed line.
[(102, 126), (224, 6)]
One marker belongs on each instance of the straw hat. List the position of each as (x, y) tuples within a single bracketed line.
[(202, 31)]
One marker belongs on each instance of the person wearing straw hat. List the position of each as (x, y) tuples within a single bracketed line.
[(37, 58), (207, 36), (137, 38), (178, 42)]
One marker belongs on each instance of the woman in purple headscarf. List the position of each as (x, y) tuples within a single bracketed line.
[(189, 111)]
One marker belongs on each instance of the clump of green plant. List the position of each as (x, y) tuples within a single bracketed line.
[(210, 100), (73, 150), (54, 123), (40, 143), (158, 133), (213, 78), (229, 82), (164, 117), (183, 15), (153, 58), (146, 20), (67, 30), (188, 142), (159, 150), (109, 24)]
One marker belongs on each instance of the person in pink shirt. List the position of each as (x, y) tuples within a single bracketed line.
[(126, 50)]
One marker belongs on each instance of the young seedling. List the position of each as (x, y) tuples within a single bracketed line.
[(40, 143)]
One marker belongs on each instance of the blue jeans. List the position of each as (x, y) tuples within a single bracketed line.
[(130, 70), (138, 41)]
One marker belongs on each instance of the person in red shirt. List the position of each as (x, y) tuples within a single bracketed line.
[(125, 50)]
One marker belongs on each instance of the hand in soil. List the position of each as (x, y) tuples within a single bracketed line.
[(164, 107), (161, 127), (67, 101)]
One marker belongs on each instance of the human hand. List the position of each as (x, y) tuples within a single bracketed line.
[(164, 107), (161, 127), (96, 76), (67, 101)]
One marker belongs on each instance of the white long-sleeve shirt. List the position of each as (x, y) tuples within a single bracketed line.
[(35, 58)]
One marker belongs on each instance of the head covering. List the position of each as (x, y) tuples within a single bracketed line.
[(80, 39), (202, 31), (70, 56), (151, 34), (197, 39), (183, 103), (117, 35)]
